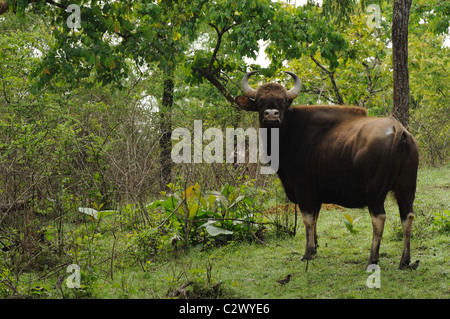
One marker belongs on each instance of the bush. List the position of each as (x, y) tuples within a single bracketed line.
[(230, 213)]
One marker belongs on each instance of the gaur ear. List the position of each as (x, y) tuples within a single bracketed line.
[(246, 103)]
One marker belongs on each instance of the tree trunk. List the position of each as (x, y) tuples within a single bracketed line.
[(165, 142), (400, 60), (4, 7)]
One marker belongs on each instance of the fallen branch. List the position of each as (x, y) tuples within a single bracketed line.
[(180, 290)]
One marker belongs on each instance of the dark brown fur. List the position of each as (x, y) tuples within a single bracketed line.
[(339, 155)]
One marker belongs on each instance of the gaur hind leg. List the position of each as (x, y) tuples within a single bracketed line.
[(316, 217), (405, 191), (405, 200)]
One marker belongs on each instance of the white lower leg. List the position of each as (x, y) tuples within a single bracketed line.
[(407, 227), (378, 227), (309, 220)]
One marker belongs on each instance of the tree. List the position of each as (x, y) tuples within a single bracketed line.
[(362, 75), (401, 11), (112, 34), (209, 40), (235, 29), (400, 20)]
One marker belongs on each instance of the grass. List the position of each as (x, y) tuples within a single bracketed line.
[(248, 269)]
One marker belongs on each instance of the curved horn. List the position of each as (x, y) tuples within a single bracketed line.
[(251, 93), (292, 93)]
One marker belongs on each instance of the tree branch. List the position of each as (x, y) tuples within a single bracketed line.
[(333, 81), (219, 41), (320, 94), (214, 81), (209, 73), (216, 49)]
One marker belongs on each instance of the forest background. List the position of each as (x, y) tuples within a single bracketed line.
[(86, 116)]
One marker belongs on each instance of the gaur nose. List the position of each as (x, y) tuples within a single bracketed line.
[(271, 113)]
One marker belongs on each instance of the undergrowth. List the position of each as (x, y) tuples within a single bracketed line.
[(234, 242)]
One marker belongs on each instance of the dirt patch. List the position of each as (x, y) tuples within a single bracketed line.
[(282, 209), (332, 207)]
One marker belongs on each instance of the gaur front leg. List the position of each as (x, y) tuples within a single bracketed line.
[(310, 249)]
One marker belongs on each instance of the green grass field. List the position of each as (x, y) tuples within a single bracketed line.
[(249, 269)]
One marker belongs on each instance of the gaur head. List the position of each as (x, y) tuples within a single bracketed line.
[(271, 100)]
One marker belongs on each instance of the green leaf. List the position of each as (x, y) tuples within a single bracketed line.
[(92, 59), (170, 204), (227, 189), (155, 204), (190, 191), (105, 213), (234, 195), (350, 220), (203, 201), (221, 199), (109, 24), (211, 199), (176, 36), (237, 200), (193, 208)]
